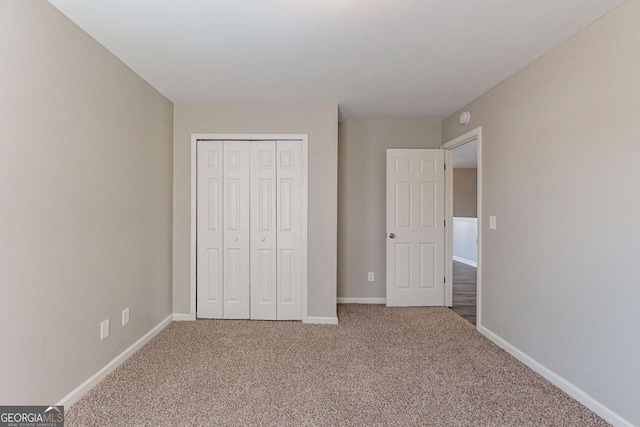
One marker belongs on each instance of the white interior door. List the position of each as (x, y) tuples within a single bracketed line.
[(415, 227), (236, 274), (290, 229), (263, 230), (209, 229)]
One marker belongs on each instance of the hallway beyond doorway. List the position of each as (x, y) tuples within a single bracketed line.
[(464, 291)]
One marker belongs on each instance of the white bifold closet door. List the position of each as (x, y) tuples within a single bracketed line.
[(289, 209), (263, 231), (209, 229), (249, 230), (236, 244)]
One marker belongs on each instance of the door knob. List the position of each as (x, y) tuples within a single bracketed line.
[(263, 239), (236, 239), (392, 236)]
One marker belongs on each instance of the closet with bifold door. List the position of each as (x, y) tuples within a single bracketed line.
[(249, 230)]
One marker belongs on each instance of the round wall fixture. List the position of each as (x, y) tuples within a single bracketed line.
[(465, 118)]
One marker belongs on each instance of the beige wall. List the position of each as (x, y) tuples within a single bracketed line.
[(465, 193), (320, 122), (561, 152), (362, 203), (85, 217)]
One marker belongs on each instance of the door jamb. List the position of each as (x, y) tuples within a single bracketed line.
[(304, 139), (448, 147)]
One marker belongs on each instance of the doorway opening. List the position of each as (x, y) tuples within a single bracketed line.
[(465, 230), (464, 202)]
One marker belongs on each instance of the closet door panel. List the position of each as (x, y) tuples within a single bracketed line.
[(263, 230), (209, 230), (289, 223), (236, 226)]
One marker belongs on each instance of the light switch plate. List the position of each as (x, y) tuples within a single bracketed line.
[(492, 222), (371, 276)]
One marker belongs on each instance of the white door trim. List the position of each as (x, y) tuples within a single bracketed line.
[(475, 134), (304, 139)]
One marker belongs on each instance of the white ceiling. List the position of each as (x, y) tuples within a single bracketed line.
[(379, 59), (466, 156)]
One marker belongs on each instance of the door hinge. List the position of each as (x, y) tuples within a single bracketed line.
[(445, 166), (445, 222), (445, 279)]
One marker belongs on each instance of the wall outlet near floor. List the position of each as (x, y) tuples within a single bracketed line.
[(125, 316), (371, 276), (492, 222), (104, 329)]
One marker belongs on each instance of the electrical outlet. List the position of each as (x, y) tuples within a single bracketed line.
[(371, 276), (104, 329), (125, 316)]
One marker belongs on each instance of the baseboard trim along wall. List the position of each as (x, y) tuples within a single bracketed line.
[(348, 300), (312, 320), (321, 320), (465, 261), (560, 382), (84, 388), (183, 317)]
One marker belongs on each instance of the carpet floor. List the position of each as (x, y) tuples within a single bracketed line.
[(379, 367)]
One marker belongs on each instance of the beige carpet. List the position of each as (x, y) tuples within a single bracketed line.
[(380, 366)]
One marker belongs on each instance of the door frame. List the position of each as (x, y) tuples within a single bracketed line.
[(475, 134), (304, 140)]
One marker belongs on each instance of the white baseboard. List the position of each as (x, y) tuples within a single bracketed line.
[(321, 320), (83, 388), (560, 382), (183, 317), (465, 261), (347, 300)]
